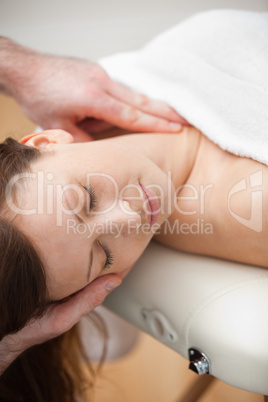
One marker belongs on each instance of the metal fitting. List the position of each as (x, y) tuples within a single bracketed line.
[(199, 362)]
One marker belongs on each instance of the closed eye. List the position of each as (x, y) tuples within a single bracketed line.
[(93, 198), (93, 202), (109, 257)]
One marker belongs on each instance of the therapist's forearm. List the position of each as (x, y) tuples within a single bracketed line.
[(18, 66), (5, 60), (7, 353)]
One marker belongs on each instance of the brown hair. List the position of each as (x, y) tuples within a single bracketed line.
[(51, 371)]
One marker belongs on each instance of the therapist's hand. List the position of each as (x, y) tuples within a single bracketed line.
[(59, 318), (59, 92)]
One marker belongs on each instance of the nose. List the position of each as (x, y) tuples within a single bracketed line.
[(121, 219)]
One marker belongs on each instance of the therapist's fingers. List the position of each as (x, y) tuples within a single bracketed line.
[(144, 103), (77, 131), (129, 117), (61, 316), (91, 125), (65, 315)]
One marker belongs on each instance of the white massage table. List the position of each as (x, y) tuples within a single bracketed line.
[(210, 311)]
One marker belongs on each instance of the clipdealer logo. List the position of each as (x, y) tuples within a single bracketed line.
[(254, 183)]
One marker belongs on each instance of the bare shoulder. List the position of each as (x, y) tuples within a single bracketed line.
[(221, 209)]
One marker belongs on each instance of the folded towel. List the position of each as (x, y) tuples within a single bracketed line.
[(212, 69)]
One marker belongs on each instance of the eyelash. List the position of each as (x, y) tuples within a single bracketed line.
[(93, 198), (109, 257), (93, 202)]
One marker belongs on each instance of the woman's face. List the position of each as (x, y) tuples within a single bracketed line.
[(89, 209)]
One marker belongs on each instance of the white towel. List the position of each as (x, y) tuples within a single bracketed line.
[(213, 69)]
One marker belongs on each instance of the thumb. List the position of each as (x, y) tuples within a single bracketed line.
[(65, 315), (62, 316), (94, 294)]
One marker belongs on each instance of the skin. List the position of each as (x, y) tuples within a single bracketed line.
[(59, 318), (230, 194), (202, 177), (195, 162), (96, 102), (67, 253)]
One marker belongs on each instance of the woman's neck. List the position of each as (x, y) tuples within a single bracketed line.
[(173, 153)]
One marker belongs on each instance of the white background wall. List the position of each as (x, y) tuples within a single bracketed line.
[(95, 28)]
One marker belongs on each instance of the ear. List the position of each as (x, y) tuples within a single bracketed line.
[(45, 138)]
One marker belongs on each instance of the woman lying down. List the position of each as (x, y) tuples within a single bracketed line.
[(74, 212)]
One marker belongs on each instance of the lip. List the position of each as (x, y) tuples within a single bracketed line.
[(153, 205)]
